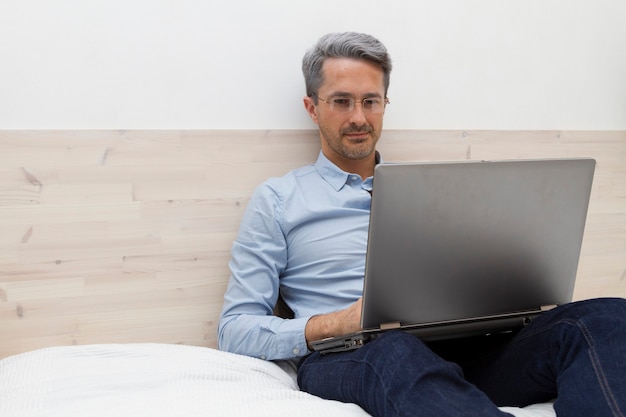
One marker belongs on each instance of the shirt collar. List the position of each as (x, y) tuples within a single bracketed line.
[(336, 177)]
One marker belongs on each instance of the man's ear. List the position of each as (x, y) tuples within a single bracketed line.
[(311, 108)]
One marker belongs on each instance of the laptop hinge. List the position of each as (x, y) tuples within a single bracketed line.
[(389, 326), (548, 307)]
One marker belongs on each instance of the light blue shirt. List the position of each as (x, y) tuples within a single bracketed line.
[(306, 233)]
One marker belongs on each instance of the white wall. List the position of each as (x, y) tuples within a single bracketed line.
[(187, 64)]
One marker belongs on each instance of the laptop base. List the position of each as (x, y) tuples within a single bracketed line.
[(429, 332)]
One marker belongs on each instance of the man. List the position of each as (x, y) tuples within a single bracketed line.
[(304, 237)]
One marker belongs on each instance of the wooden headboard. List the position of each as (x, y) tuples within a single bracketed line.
[(124, 236)]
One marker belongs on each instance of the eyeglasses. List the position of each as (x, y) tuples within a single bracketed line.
[(373, 105)]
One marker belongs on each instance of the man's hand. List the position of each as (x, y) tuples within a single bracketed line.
[(334, 324)]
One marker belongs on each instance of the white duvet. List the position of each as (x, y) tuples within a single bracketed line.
[(158, 380)]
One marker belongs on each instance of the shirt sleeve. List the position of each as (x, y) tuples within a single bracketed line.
[(247, 325)]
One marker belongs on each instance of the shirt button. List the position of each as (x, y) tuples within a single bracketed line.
[(354, 178), (296, 351), (263, 357)]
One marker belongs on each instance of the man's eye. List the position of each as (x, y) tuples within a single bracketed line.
[(342, 102), (371, 102)]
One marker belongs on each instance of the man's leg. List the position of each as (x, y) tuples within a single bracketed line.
[(575, 353), (394, 375)]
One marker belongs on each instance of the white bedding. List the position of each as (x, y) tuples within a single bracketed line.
[(161, 380)]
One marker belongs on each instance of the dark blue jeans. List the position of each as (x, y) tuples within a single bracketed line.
[(575, 353)]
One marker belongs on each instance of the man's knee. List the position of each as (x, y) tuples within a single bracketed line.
[(589, 322), (603, 309)]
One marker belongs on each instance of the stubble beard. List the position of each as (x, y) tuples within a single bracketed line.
[(352, 151)]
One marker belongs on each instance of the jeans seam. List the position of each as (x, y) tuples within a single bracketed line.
[(380, 379), (600, 375), (597, 367)]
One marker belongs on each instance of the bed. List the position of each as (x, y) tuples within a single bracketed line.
[(113, 262), (111, 380)]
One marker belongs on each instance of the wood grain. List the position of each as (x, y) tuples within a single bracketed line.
[(124, 236)]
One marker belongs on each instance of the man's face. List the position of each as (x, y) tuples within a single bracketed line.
[(348, 135)]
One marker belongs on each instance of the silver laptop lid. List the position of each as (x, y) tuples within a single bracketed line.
[(458, 240)]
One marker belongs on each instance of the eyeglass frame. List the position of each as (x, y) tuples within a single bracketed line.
[(352, 102)]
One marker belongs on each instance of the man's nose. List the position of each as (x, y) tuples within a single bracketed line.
[(357, 116)]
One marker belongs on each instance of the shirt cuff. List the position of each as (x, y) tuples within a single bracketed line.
[(293, 343)]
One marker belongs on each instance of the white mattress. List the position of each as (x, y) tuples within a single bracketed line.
[(161, 380)]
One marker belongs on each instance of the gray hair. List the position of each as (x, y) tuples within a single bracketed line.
[(343, 45)]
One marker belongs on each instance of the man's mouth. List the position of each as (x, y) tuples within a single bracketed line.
[(360, 134)]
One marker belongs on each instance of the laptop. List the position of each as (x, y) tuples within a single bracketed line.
[(457, 249)]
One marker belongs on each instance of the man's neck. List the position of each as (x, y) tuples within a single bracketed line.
[(363, 167)]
